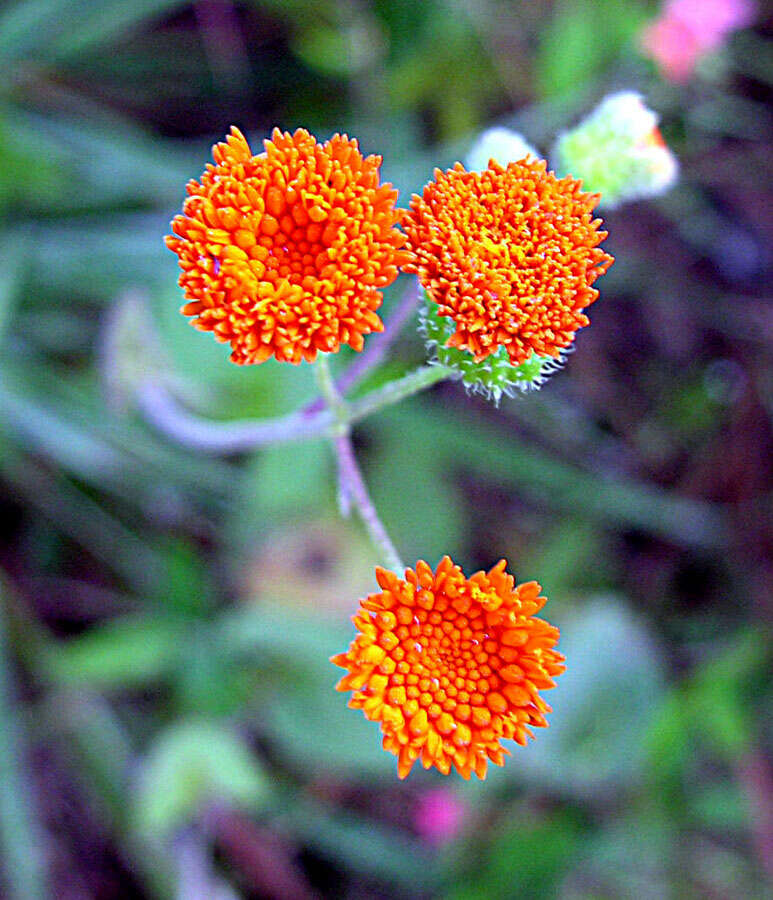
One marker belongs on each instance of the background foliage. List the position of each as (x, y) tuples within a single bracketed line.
[(169, 724)]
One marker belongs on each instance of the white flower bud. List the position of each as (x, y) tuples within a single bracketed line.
[(618, 152), (501, 144)]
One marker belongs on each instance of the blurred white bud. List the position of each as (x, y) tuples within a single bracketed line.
[(618, 152), (501, 144)]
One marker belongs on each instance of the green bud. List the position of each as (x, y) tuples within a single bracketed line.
[(618, 152), (493, 376)]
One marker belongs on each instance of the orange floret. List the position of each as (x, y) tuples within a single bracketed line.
[(450, 665), (284, 253), (509, 254)]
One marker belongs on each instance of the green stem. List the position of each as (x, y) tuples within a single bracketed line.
[(397, 390)]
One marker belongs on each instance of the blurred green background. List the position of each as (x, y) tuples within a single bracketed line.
[(169, 727)]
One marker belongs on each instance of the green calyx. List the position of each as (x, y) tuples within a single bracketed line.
[(493, 376)]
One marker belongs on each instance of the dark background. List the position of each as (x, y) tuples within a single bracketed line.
[(168, 718)]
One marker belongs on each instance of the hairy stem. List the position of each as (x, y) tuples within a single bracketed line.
[(352, 485), (397, 390), (357, 491)]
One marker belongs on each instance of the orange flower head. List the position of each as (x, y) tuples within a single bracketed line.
[(509, 254), (451, 665), (284, 253)]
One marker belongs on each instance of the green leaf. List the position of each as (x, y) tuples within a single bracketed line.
[(123, 654), (363, 845), (293, 479), (525, 861), (629, 856), (494, 454), (340, 51), (21, 837), (12, 259), (189, 765), (574, 49), (52, 29), (299, 706), (314, 728), (602, 705), (416, 498)]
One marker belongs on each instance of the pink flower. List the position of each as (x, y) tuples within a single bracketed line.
[(688, 29), (438, 816)]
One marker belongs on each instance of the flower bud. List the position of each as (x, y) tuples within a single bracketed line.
[(501, 144), (618, 151), (491, 377)]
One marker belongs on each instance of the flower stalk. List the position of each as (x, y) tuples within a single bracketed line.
[(163, 411), (352, 487)]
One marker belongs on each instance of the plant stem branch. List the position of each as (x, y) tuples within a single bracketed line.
[(357, 492), (162, 411), (352, 485), (377, 345), (397, 390)]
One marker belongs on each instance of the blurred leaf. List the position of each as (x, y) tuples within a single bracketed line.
[(301, 639), (415, 497), (525, 861), (292, 479), (602, 706), (207, 683), (627, 857), (128, 246), (188, 587), (583, 37), (560, 560), (21, 838), (362, 845), (97, 743), (101, 756), (668, 744), (720, 695), (89, 162), (497, 457), (720, 807), (51, 29), (340, 51), (205, 377), (70, 424), (79, 517), (12, 258), (446, 67), (304, 714), (315, 730), (122, 654), (189, 765)]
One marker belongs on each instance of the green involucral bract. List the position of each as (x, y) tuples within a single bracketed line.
[(493, 376)]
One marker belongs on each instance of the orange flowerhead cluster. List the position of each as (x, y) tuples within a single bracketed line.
[(284, 253), (450, 665), (509, 254)]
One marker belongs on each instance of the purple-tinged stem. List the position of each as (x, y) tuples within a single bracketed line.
[(357, 493), (378, 345), (352, 487), (162, 411)]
